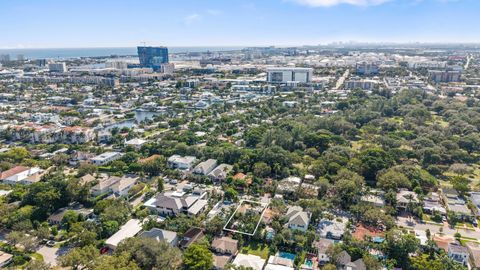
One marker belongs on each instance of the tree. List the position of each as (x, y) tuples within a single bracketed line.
[(373, 160), (149, 253), (116, 262), (231, 194), (371, 263), (329, 266), (198, 257), (160, 184), (37, 265), (261, 169), (80, 258), (399, 245), (461, 184), (85, 169), (348, 187), (154, 167), (392, 180)]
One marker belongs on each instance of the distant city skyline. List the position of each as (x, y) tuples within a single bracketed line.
[(122, 23)]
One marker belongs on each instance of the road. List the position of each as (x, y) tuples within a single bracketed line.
[(412, 224), (342, 79), (469, 58)]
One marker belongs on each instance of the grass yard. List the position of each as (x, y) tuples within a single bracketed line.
[(260, 250)]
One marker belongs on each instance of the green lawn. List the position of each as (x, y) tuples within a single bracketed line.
[(256, 249)]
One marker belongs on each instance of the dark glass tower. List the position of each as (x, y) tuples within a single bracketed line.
[(152, 57)]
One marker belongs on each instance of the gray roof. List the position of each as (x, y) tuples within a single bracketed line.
[(296, 215), (159, 234), (168, 202)]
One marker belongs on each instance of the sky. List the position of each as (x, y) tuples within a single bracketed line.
[(128, 23)]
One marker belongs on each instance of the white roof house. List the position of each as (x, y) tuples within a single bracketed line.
[(129, 229), (105, 158), (137, 143), (205, 167), (182, 163), (248, 260)]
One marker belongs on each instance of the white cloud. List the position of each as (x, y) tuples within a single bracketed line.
[(329, 3), (192, 18)]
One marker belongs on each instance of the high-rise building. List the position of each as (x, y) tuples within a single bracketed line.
[(439, 76), (20, 57), (152, 57), (41, 62), (366, 68), (4, 58), (289, 74), (57, 67)]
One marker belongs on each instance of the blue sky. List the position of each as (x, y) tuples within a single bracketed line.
[(122, 23)]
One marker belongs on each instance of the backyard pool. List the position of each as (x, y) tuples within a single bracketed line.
[(287, 255)]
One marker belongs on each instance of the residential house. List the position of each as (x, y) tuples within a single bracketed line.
[(249, 261), (5, 259), (458, 253), (21, 175), (129, 229), (406, 198), (297, 218), (220, 173), (344, 262), (281, 261), (79, 157), (123, 185), (289, 185), (224, 249), (181, 163), (136, 143), (322, 246), (88, 178), (474, 250), (432, 203), (161, 235), (114, 184), (456, 204), (105, 158), (205, 167), (475, 198), (57, 217), (190, 236), (173, 203), (333, 229), (225, 245)]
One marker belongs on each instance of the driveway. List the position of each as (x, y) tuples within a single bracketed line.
[(50, 254)]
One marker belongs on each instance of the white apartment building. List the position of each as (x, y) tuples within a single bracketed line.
[(289, 74)]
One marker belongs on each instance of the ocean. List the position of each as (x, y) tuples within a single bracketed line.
[(65, 53)]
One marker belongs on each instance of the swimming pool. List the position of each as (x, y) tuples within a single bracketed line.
[(287, 255)]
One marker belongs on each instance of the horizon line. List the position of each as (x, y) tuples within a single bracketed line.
[(259, 45)]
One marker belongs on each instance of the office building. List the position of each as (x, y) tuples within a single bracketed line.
[(289, 74), (152, 57), (366, 68), (20, 57), (57, 67)]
